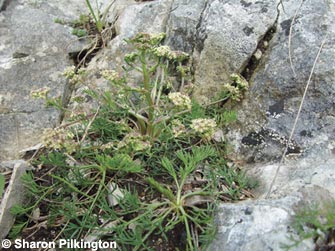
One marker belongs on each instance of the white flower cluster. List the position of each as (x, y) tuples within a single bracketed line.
[(131, 57), (233, 92), (108, 145), (69, 72), (157, 38), (235, 89), (177, 128), (204, 127), (240, 82), (73, 76), (40, 93), (163, 51), (59, 138), (180, 100), (110, 75), (134, 142)]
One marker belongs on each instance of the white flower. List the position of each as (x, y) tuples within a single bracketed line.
[(177, 128), (69, 72), (205, 127), (163, 51), (74, 76), (40, 93), (240, 81), (180, 100), (59, 138), (110, 75)]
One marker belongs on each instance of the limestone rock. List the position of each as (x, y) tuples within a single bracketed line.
[(33, 53), (257, 225), (14, 195), (227, 36), (149, 17), (185, 17), (314, 170), (267, 115)]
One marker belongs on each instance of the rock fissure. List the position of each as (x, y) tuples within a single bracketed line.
[(262, 46), (251, 66), (166, 21), (200, 40), (81, 59), (4, 4)]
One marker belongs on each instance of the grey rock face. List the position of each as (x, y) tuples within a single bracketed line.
[(277, 90), (265, 120), (256, 225), (316, 170), (227, 37), (14, 195), (149, 17), (185, 19), (33, 53)]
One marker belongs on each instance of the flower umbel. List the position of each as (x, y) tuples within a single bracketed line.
[(180, 100), (110, 75), (239, 81), (74, 76), (163, 51), (204, 127), (59, 138), (177, 128), (40, 93), (134, 142), (235, 89)]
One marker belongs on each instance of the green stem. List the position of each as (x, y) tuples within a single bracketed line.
[(147, 93), (96, 19), (161, 83), (197, 193), (160, 218), (188, 232), (101, 185), (71, 186)]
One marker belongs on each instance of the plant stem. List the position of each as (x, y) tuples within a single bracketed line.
[(97, 20), (147, 93), (188, 232), (101, 185)]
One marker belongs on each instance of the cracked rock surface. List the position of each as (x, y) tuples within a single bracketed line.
[(33, 54), (265, 121)]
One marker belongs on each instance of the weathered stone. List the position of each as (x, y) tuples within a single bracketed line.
[(153, 17), (116, 9), (34, 52), (276, 92), (227, 37), (264, 224), (20, 130), (184, 20), (14, 195), (316, 169)]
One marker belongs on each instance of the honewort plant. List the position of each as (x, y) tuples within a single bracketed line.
[(141, 168), (176, 207)]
